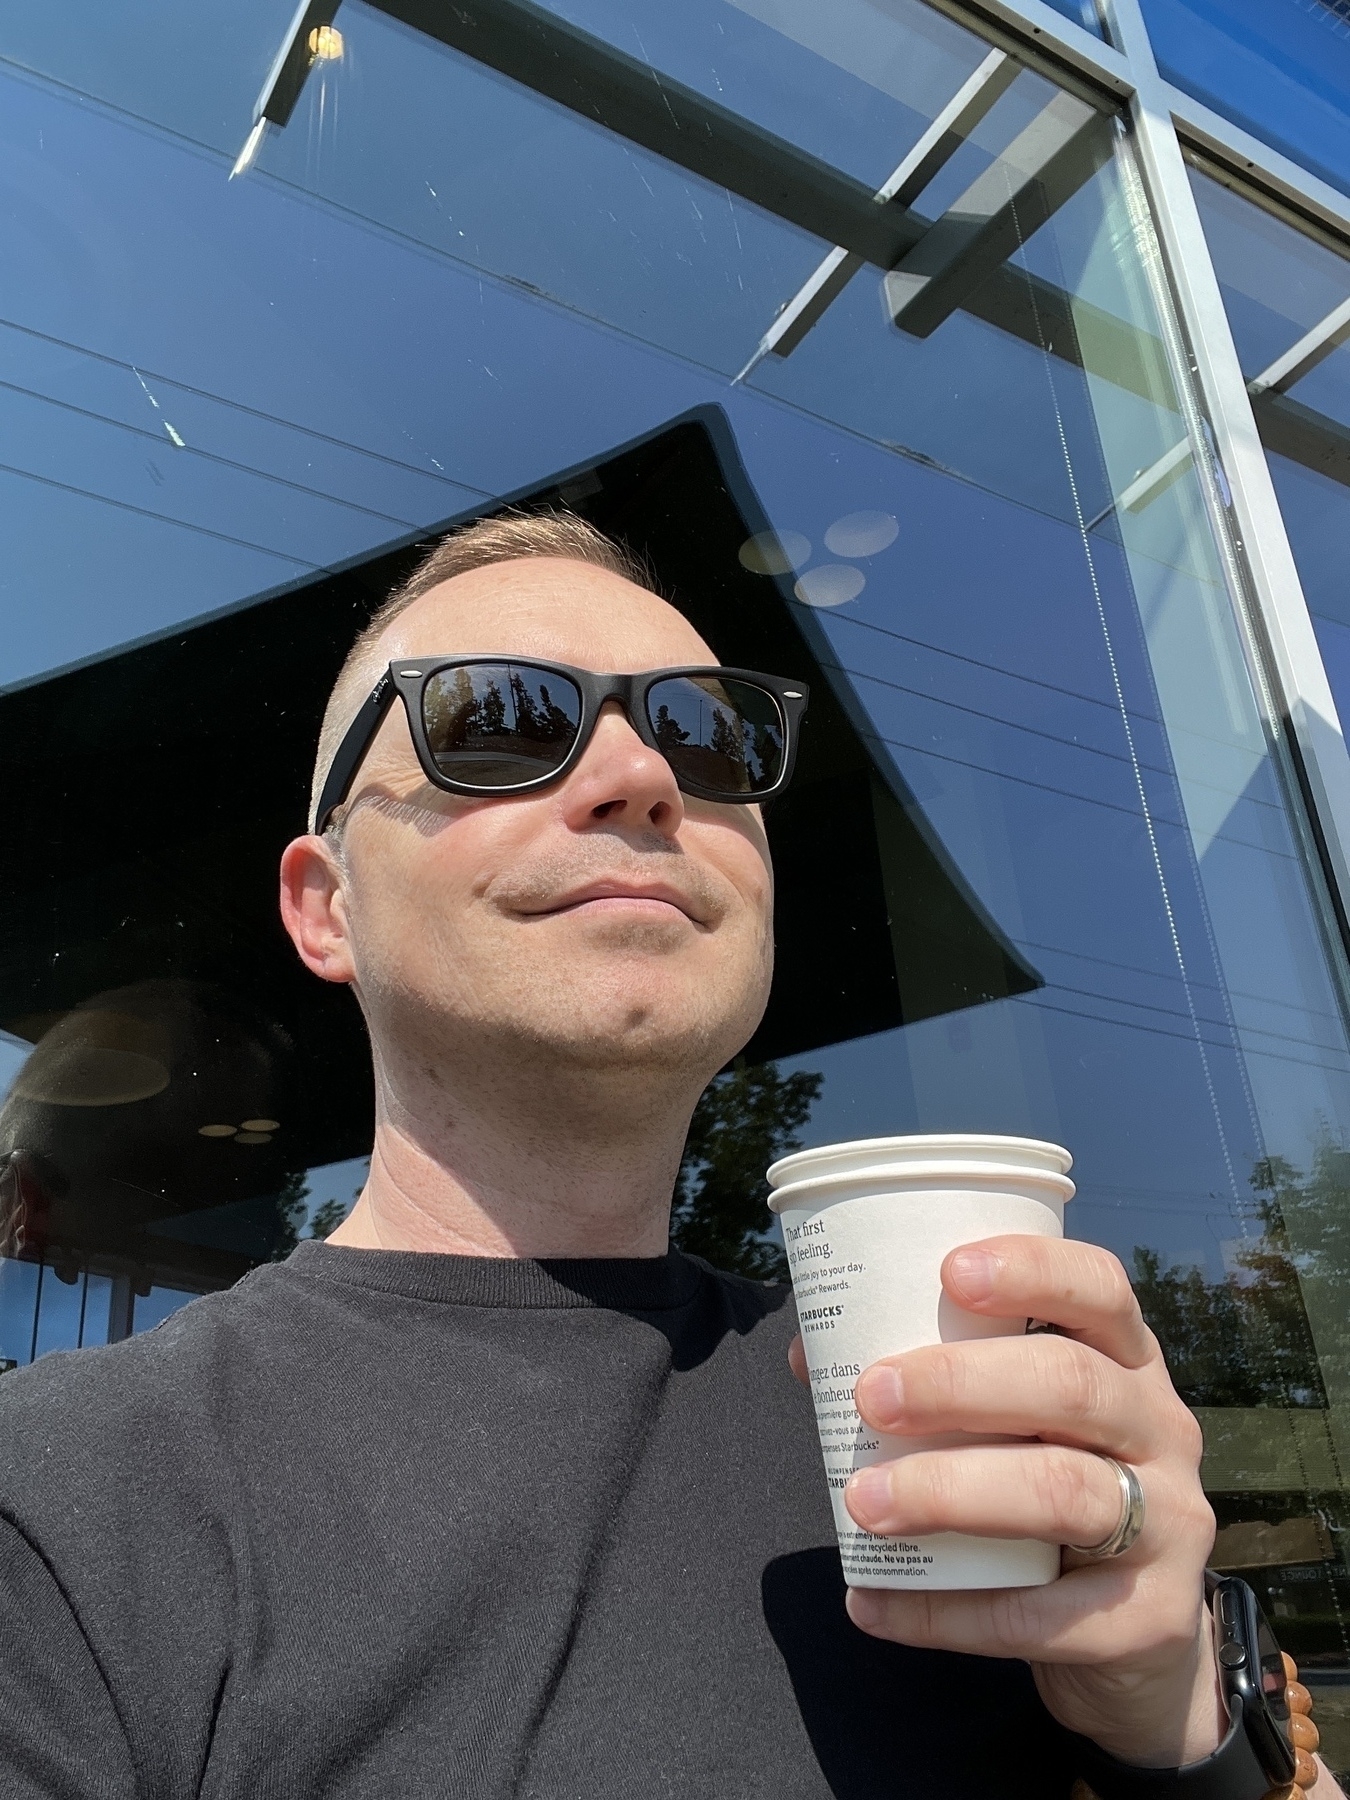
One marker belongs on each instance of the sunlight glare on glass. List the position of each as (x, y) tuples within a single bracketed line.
[(774, 552), (325, 43), (862, 534), (833, 584)]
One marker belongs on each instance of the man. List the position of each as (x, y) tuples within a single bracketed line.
[(492, 1494)]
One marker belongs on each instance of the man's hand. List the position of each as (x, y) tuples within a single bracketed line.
[(1121, 1650)]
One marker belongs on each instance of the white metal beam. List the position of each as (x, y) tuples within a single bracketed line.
[(981, 227), (1292, 660), (1033, 25), (1039, 26), (1261, 164), (1310, 350), (934, 149)]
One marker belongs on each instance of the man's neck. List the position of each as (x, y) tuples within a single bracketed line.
[(538, 1179)]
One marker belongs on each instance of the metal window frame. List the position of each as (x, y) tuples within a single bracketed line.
[(1166, 122), (1273, 612)]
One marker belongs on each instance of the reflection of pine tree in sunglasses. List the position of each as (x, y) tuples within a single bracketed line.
[(734, 750), (499, 724), (484, 725)]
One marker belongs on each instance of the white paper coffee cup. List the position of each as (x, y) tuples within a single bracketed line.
[(867, 1226)]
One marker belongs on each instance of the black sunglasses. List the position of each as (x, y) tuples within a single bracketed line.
[(500, 725)]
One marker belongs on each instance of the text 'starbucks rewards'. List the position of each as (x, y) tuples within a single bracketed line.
[(867, 1226)]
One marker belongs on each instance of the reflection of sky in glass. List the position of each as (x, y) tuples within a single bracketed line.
[(849, 89), (333, 1186), (13, 1055), (159, 1304), (1277, 284), (1277, 68)]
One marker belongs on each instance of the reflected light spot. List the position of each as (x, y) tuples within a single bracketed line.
[(831, 585), (261, 1125), (252, 1137), (90, 1075), (325, 43), (774, 552), (862, 534), (216, 1130)]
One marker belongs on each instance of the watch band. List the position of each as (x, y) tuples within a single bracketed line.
[(1231, 1772)]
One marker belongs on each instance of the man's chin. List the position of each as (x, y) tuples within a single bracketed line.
[(651, 1023)]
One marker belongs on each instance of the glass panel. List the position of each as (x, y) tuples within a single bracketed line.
[(1288, 301), (1278, 68), (1082, 12), (884, 393)]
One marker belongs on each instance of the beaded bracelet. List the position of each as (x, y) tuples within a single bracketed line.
[(1302, 1735)]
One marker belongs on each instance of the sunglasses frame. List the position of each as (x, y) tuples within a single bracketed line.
[(407, 678)]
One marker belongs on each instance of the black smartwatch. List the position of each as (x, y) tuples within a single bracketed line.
[(1256, 1755)]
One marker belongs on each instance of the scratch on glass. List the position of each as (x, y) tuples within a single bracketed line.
[(735, 222), (638, 170)]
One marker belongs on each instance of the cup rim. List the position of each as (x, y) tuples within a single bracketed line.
[(1024, 1156), (904, 1178)]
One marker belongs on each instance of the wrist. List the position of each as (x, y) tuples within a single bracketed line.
[(1270, 1741), (1206, 1721), (1167, 1715)]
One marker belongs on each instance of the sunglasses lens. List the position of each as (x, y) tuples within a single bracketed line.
[(721, 735), (499, 725)]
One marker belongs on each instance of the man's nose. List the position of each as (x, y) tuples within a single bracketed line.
[(622, 781)]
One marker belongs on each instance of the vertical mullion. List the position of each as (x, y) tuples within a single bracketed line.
[(1286, 652)]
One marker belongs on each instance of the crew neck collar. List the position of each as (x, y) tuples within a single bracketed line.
[(621, 1283)]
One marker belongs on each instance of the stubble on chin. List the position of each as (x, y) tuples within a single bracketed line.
[(631, 995), (520, 995)]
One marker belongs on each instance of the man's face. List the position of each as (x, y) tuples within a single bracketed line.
[(608, 919)]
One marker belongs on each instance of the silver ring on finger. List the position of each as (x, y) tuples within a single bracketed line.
[(1131, 1521)]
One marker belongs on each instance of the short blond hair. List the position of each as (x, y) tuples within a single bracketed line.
[(506, 537)]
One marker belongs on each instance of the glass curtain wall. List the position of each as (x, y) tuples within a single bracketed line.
[(862, 335), (1277, 68), (1287, 295)]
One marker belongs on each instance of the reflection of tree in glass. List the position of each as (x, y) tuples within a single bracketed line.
[(768, 752), (541, 720), (557, 724), (293, 1209), (1245, 1340), (449, 709), (745, 1120), (669, 734), (726, 736), (528, 723), (327, 1218), (491, 719)]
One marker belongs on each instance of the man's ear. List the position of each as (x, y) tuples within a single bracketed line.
[(314, 908)]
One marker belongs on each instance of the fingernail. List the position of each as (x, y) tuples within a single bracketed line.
[(864, 1607), (973, 1272), (883, 1392), (869, 1492)]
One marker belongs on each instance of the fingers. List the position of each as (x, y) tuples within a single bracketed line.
[(1079, 1287), (797, 1360), (1101, 1613), (1045, 1387), (1058, 1495)]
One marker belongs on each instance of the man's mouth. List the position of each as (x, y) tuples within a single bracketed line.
[(634, 898)]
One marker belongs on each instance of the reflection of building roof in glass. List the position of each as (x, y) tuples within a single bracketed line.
[(201, 743)]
